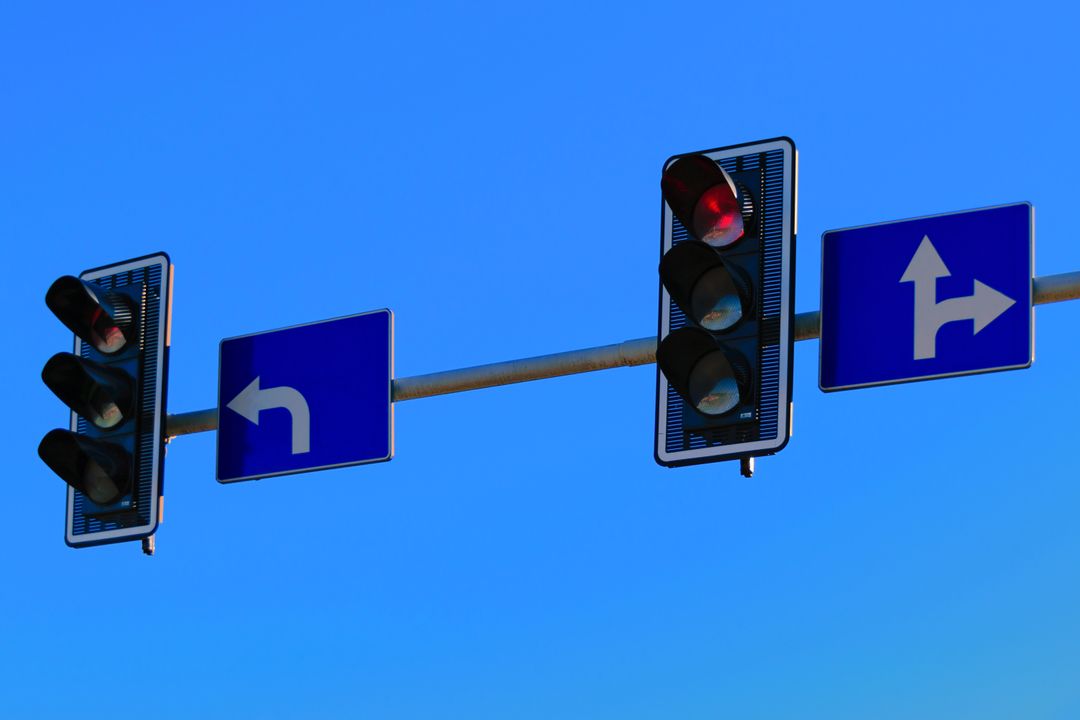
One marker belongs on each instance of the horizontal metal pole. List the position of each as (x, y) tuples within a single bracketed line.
[(1056, 288), (632, 352), (191, 422), (1048, 289), (807, 325)]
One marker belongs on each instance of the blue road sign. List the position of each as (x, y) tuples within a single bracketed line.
[(309, 397), (926, 298)]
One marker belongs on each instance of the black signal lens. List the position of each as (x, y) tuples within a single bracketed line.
[(713, 293), (719, 299), (711, 377), (102, 395), (99, 470), (718, 383)]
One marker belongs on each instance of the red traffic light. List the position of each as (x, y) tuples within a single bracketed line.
[(704, 199), (104, 320)]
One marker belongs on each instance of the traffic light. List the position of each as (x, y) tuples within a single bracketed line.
[(112, 455), (727, 291)]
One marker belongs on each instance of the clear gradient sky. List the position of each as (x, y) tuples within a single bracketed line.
[(491, 174)]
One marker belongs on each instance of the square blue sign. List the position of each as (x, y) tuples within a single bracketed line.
[(308, 397), (926, 298)]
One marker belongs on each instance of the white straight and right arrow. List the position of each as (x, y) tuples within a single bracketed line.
[(983, 306)]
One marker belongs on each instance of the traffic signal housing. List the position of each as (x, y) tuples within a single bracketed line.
[(114, 382), (727, 291)]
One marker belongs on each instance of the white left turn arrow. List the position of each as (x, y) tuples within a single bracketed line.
[(251, 401)]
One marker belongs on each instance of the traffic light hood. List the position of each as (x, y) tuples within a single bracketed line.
[(704, 199), (103, 319)]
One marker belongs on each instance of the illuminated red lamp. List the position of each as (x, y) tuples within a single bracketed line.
[(704, 199)]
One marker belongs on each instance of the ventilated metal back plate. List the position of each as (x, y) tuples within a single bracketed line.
[(678, 444), (152, 275)]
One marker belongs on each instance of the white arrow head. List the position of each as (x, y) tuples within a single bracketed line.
[(989, 304), (248, 403), (926, 264)]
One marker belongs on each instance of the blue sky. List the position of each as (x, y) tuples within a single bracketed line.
[(491, 174)]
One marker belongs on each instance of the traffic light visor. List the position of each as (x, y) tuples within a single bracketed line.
[(711, 377), (712, 293), (703, 197), (99, 470), (102, 395), (105, 320)]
